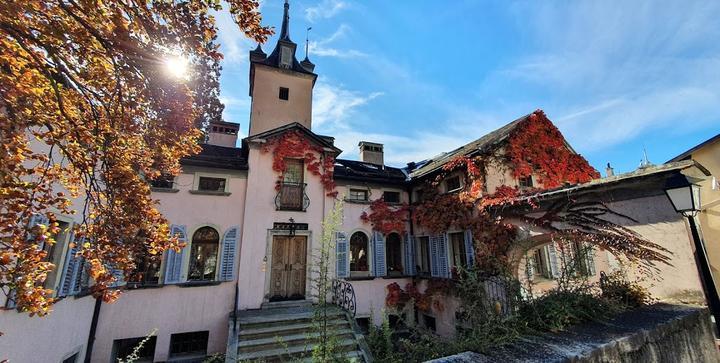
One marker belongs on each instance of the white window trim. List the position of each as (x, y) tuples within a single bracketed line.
[(185, 268), (451, 260), (358, 187), (402, 254), (370, 252), (196, 181), (383, 190), (418, 253), (453, 175)]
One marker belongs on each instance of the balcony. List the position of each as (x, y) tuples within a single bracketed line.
[(291, 196)]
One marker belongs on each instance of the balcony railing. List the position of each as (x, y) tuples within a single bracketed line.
[(291, 196), (343, 295)]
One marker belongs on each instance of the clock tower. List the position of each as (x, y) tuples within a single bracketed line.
[(280, 86)]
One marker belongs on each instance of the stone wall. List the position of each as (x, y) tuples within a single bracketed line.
[(660, 333)]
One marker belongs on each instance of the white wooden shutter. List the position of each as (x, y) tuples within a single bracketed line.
[(36, 219), (71, 267), (409, 255), (443, 263), (379, 253), (341, 250), (434, 264), (227, 259), (552, 254), (173, 259), (119, 277), (530, 266), (469, 249), (590, 258)]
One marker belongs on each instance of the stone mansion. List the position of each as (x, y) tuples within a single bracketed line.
[(250, 232)]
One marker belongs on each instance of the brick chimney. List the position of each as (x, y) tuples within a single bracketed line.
[(223, 133), (609, 171), (371, 153)]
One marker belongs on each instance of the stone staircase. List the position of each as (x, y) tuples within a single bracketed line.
[(281, 332)]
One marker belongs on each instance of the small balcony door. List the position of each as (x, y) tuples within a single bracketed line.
[(292, 190)]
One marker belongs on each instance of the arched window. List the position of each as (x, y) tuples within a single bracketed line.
[(393, 254), (203, 254), (359, 252)]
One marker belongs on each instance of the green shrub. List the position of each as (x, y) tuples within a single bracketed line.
[(558, 309), (617, 289)]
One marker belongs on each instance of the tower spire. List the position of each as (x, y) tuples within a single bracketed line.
[(285, 30)]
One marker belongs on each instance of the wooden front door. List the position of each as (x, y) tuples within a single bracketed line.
[(289, 264)]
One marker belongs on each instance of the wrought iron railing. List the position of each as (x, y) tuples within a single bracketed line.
[(343, 295), (292, 196)]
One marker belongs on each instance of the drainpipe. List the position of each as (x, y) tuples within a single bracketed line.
[(93, 329)]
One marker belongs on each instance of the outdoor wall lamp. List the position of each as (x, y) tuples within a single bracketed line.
[(292, 227), (684, 194)]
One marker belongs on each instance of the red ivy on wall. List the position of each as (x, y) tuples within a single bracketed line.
[(537, 147), (386, 218), (294, 145), (424, 301)]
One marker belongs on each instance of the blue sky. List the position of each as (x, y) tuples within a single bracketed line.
[(424, 77)]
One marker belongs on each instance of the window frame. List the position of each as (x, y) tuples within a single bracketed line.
[(284, 91), (420, 242), (401, 256), (526, 182), (399, 196), (351, 189), (196, 183), (189, 354), (447, 186), (188, 255), (167, 178), (368, 254), (152, 342), (458, 253)]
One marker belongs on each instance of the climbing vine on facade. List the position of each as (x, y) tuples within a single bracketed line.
[(386, 218), (294, 145), (536, 147)]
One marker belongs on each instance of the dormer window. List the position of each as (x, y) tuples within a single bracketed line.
[(284, 93), (285, 57), (525, 182), (391, 197), (452, 184)]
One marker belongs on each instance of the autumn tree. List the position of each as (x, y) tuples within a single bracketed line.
[(89, 114)]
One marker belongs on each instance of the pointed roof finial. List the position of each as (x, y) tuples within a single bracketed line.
[(645, 162), (285, 30)]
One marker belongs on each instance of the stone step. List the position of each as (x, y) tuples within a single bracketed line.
[(284, 341), (264, 331), (286, 304), (280, 316), (289, 353), (353, 356)]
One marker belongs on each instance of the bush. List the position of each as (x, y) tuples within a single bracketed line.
[(558, 309), (617, 289)]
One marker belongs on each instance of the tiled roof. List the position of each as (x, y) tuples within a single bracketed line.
[(215, 156), (366, 172), (689, 167), (484, 143)]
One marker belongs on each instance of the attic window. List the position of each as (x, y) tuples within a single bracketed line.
[(452, 184), (391, 197), (526, 182), (284, 93)]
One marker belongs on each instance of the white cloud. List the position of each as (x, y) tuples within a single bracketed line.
[(323, 47), (324, 10), (616, 72), (233, 43), (333, 105)]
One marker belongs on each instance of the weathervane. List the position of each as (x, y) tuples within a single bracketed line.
[(307, 41)]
